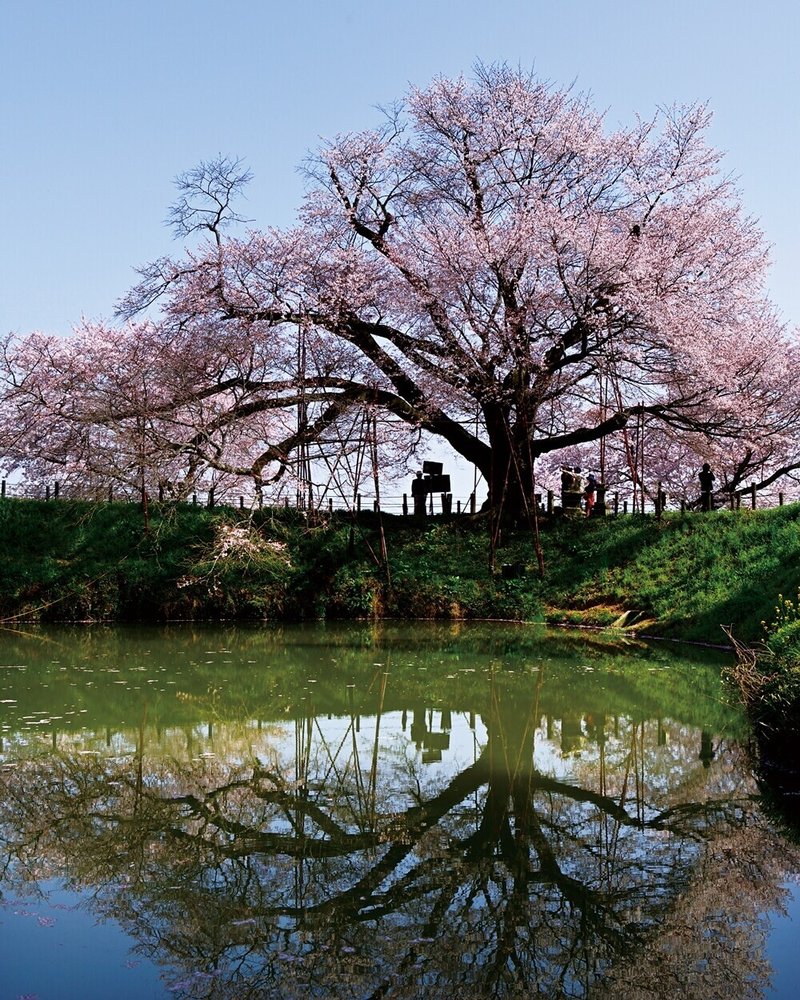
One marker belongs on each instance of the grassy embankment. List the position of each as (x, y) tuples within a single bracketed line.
[(684, 576)]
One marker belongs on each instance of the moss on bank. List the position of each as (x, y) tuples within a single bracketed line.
[(683, 576)]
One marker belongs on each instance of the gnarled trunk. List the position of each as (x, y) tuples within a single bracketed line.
[(510, 476)]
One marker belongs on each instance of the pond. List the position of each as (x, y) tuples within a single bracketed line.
[(381, 811)]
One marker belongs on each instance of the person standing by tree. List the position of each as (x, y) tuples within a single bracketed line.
[(566, 483), (589, 493), (706, 477), (419, 492)]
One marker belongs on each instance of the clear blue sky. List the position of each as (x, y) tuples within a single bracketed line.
[(103, 102)]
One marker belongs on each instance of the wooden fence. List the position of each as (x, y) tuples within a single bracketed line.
[(548, 504)]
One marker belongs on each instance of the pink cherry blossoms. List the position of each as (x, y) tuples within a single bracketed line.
[(492, 265)]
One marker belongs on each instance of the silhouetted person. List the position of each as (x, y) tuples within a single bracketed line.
[(706, 754), (706, 477), (566, 478), (589, 493), (418, 494), (570, 488)]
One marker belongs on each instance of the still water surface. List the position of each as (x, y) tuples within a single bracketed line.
[(381, 811)]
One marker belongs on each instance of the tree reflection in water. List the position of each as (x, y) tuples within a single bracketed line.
[(606, 865)]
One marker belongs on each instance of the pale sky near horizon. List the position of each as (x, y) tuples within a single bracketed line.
[(104, 102)]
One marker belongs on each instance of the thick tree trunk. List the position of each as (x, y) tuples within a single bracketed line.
[(510, 479)]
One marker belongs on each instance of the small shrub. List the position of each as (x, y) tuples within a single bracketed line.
[(783, 633)]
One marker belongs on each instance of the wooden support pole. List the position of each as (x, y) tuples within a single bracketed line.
[(405, 505), (550, 500)]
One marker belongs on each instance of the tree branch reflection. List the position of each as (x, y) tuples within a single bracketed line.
[(304, 874)]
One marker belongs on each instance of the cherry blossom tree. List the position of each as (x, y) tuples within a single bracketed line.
[(492, 265), (648, 454), (98, 410), (146, 409)]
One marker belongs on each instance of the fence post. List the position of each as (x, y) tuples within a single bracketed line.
[(780, 498), (358, 503), (624, 506), (405, 505), (550, 503), (47, 491), (160, 492), (683, 505), (472, 503), (241, 503), (659, 498), (194, 499), (458, 506), (3, 488), (753, 495), (286, 503), (211, 497), (330, 505), (55, 490)]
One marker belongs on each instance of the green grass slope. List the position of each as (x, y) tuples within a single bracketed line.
[(683, 576)]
